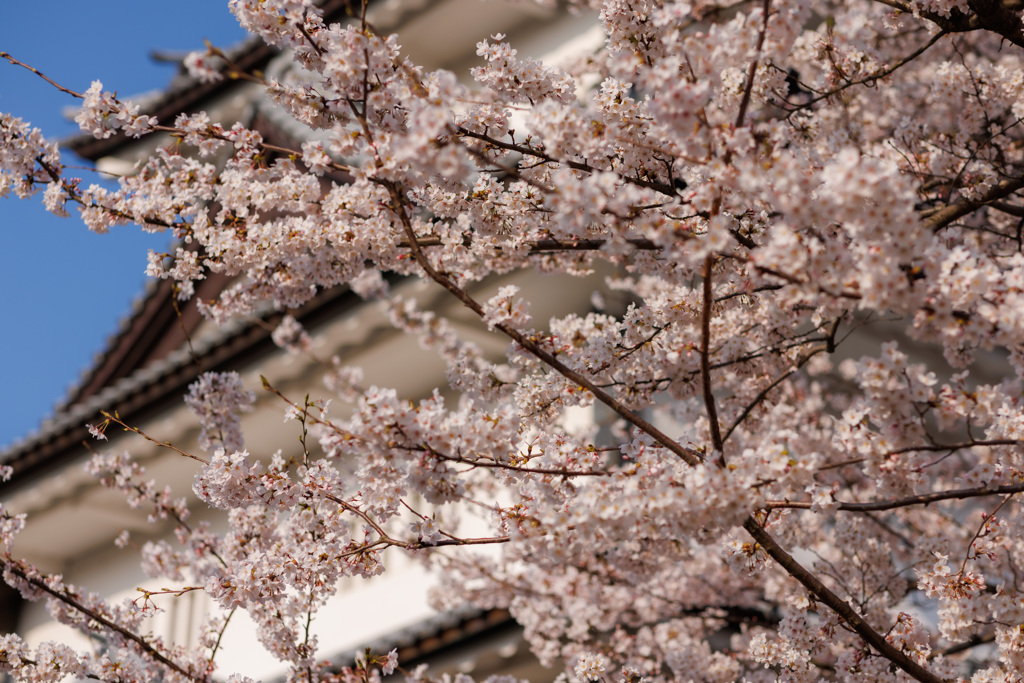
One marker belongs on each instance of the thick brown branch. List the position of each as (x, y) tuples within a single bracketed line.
[(705, 355), (752, 69), (1011, 209), (959, 209), (968, 644), (822, 592), (999, 17), (992, 15)]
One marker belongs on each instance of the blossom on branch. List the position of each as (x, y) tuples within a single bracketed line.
[(788, 445)]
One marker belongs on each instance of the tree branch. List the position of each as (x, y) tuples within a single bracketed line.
[(822, 592), (871, 79), (37, 72), (908, 501), (663, 188), (548, 245), (752, 68), (705, 363), (688, 455), (964, 206), (106, 623), (764, 392)]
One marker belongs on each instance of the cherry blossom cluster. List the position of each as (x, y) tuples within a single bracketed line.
[(217, 398), (24, 157), (290, 335), (801, 376), (102, 115)]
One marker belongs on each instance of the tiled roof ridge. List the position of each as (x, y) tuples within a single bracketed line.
[(427, 637), (77, 414), (185, 93), (124, 324)]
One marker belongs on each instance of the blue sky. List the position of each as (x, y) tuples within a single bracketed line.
[(65, 289)]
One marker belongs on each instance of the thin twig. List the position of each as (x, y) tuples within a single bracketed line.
[(764, 392), (37, 72), (663, 188), (547, 245), (908, 501), (872, 78), (491, 464), (166, 444)]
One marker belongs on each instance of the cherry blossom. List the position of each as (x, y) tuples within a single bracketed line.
[(799, 223), (217, 398)]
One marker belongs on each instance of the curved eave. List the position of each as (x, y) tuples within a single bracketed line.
[(146, 389)]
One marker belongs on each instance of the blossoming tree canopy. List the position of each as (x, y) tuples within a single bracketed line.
[(768, 179)]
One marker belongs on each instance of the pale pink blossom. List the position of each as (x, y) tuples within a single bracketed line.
[(801, 227), (217, 398)]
